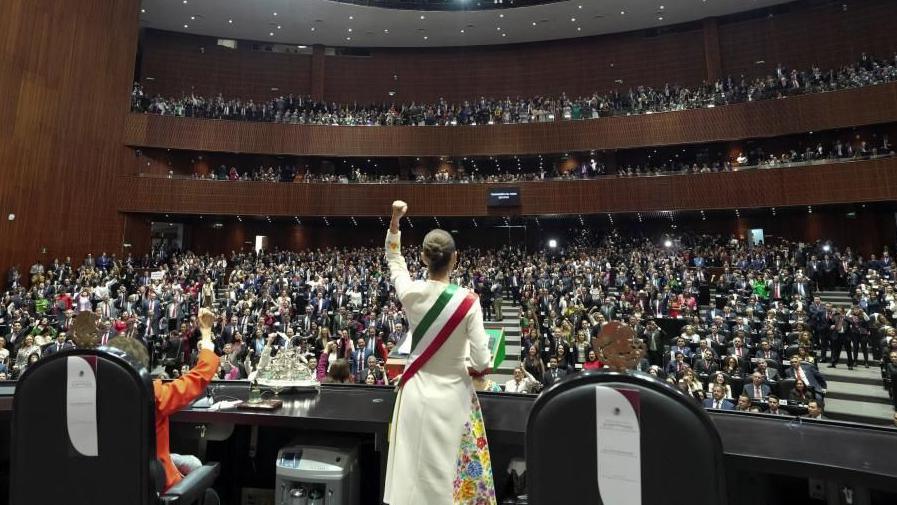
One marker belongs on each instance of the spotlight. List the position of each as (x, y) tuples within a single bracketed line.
[(826, 248), (668, 243), (552, 243)]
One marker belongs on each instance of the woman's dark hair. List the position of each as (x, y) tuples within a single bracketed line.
[(438, 248), (339, 372)]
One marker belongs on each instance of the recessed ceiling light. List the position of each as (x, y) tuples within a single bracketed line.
[(498, 28), (302, 47), (186, 26), (386, 30), (622, 13), (185, 2), (580, 6), (660, 18), (501, 15), (504, 34), (579, 28), (350, 30), (572, 20), (274, 13), (230, 21), (312, 28), (426, 38), (422, 16), (351, 18), (661, 7), (271, 34), (348, 38), (534, 23), (143, 11), (278, 27), (462, 30), (192, 18)]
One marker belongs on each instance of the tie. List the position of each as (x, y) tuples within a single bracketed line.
[(716, 404), (59, 346), (757, 392)]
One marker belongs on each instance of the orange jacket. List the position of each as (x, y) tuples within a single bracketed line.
[(174, 396)]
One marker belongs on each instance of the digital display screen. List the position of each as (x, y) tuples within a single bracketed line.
[(503, 197)]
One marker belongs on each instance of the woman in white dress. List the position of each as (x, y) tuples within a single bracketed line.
[(438, 452)]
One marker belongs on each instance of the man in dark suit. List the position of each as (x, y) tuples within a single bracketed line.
[(359, 357), (718, 400), (757, 390), (770, 374), (677, 366), (808, 374), (61, 344), (371, 368), (554, 374)]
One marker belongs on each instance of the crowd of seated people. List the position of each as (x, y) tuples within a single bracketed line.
[(469, 173), (639, 100), (763, 335)]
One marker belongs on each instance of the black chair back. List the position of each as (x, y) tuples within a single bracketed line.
[(55, 398), (554, 477)]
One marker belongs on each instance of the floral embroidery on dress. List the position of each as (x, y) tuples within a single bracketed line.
[(473, 483)]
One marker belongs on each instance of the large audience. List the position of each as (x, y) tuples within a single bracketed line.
[(757, 343), (493, 171), (292, 109)]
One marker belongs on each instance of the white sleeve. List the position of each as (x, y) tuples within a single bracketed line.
[(398, 270), (480, 354)]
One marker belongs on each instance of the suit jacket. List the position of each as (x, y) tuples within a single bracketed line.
[(749, 390), (815, 379), (553, 376), (172, 397), (52, 348), (354, 361), (725, 405)]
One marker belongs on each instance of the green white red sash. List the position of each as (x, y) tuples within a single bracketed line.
[(436, 326)]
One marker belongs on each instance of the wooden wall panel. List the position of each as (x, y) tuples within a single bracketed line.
[(181, 63), (862, 181), (770, 118), (65, 73), (827, 34)]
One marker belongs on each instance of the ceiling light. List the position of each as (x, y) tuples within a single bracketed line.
[(230, 21), (660, 18), (534, 23), (504, 34), (498, 28), (661, 7), (622, 13), (579, 28), (386, 30), (143, 11), (426, 38), (312, 28), (462, 30), (351, 18), (186, 26), (501, 15), (185, 2), (422, 16), (274, 13), (348, 38), (278, 27), (302, 47), (271, 34), (192, 18), (572, 20), (350, 30)]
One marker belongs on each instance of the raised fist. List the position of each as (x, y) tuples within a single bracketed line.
[(399, 208)]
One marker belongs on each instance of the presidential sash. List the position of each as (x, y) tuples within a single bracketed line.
[(436, 326)]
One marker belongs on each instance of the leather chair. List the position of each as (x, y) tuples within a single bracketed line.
[(554, 477), (50, 466)]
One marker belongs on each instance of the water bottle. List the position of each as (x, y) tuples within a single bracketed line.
[(298, 496)]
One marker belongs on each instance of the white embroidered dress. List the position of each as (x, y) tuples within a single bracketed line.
[(432, 408)]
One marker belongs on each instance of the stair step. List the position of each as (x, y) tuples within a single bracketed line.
[(859, 411), (857, 392)]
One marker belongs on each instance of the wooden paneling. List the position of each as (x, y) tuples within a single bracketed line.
[(65, 73), (826, 34), (769, 118), (862, 181), (181, 63)]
